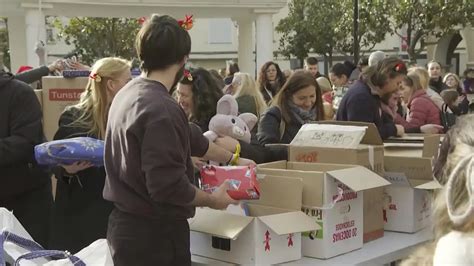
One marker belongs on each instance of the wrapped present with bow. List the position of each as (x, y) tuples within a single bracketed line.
[(243, 180), (69, 151)]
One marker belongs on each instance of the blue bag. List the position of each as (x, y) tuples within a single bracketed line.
[(69, 151)]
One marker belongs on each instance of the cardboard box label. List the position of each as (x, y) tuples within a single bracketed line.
[(329, 136), (399, 179), (65, 95)]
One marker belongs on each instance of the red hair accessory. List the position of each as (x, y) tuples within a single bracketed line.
[(188, 75), (399, 67), (141, 20), (95, 77), (186, 23)]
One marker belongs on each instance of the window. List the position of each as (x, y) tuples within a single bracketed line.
[(50, 36), (220, 31)]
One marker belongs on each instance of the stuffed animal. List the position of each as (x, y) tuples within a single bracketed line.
[(227, 122)]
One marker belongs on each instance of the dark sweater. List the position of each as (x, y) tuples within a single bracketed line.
[(148, 153), (33, 75), (359, 104)]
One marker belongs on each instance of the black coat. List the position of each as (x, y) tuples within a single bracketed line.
[(80, 213), (269, 128), (20, 130), (359, 104)]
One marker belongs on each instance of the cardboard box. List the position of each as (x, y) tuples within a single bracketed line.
[(270, 234), (39, 95), (58, 93), (407, 203), (332, 195), (367, 152)]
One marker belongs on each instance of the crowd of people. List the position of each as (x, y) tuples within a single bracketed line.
[(152, 126)]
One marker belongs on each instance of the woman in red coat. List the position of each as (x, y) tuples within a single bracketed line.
[(421, 109)]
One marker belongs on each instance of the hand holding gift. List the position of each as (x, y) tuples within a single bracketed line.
[(221, 198), (242, 179), (76, 167)]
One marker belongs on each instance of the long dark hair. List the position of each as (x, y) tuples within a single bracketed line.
[(206, 93), (297, 81), (262, 77)]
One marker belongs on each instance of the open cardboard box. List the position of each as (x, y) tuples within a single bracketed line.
[(407, 203), (270, 234), (368, 152), (57, 94), (332, 196)]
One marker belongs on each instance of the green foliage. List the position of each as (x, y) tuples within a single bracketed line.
[(4, 46), (326, 27), (422, 19), (95, 38)]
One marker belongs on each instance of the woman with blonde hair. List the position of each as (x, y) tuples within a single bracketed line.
[(453, 210), (247, 95), (80, 214), (424, 77), (421, 109)]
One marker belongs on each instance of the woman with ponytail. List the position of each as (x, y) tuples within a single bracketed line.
[(80, 214)]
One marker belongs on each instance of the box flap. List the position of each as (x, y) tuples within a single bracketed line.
[(318, 167), (428, 147), (413, 168), (256, 210), (219, 223), (281, 192), (290, 222), (313, 182), (359, 178), (371, 137), (431, 146), (272, 165), (432, 185)]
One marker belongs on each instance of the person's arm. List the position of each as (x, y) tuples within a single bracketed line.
[(201, 147), (33, 75), (37, 73), (417, 115), (67, 130), (25, 129), (164, 163), (163, 159), (269, 127)]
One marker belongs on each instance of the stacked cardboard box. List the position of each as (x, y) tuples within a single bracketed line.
[(408, 166), (269, 231), (57, 94), (359, 147), (332, 196)]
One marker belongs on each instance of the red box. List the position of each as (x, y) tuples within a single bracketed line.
[(243, 180)]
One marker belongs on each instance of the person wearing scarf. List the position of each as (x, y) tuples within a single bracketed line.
[(298, 102)]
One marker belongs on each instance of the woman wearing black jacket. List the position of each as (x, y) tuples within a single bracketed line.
[(298, 102), (80, 214)]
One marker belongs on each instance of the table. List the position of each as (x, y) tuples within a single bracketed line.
[(392, 247)]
